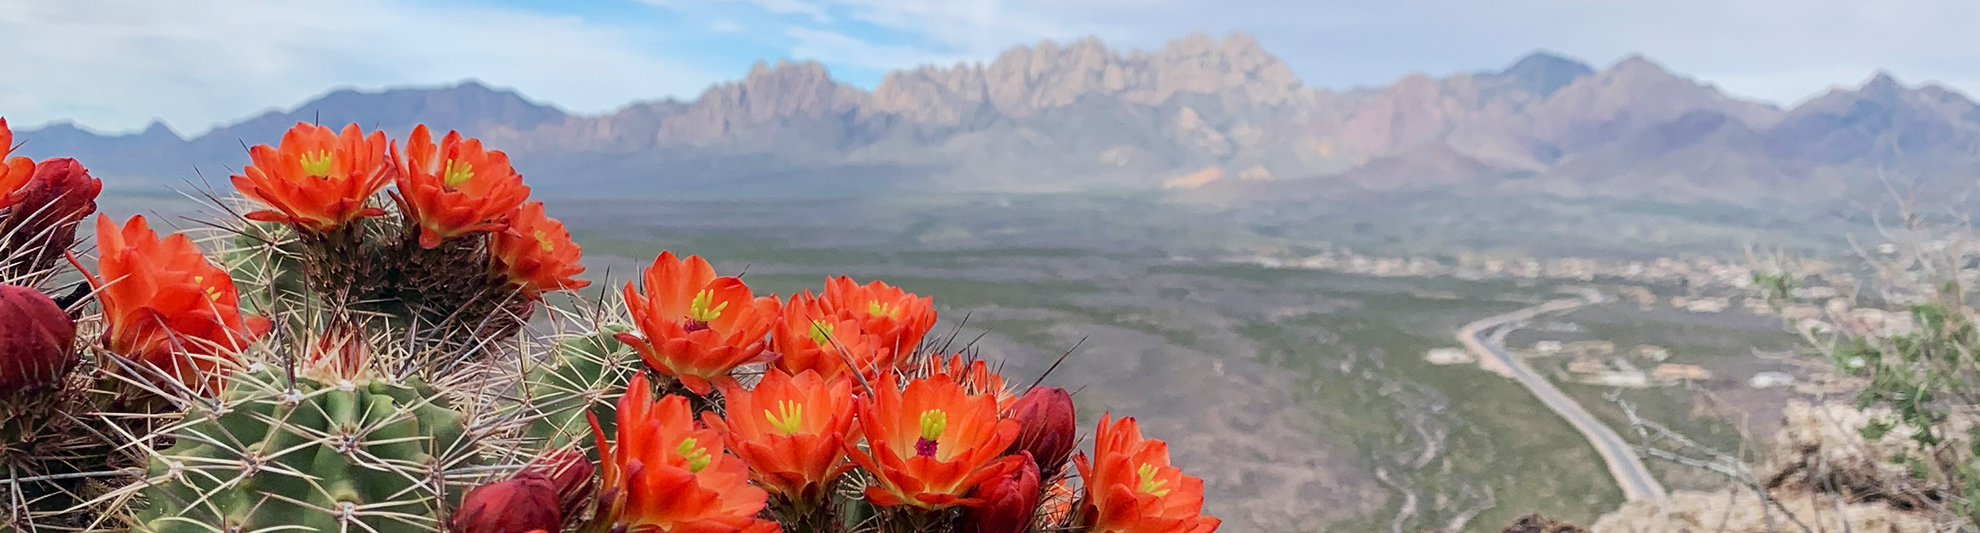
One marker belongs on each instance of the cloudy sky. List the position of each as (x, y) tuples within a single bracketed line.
[(115, 65)]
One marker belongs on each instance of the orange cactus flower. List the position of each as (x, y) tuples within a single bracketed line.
[(932, 443), (697, 326), (665, 474), (1132, 488), (973, 373), (14, 173), (791, 431), (536, 253), (316, 180), (167, 307), (899, 317), (809, 338), (455, 188)]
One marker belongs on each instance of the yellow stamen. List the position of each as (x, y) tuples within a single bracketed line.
[(317, 165), (877, 308), (699, 311), (1150, 485), (697, 456), (543, 240), (456, 172), (792, 418), (933, 421), (212, 293), (821, 333)]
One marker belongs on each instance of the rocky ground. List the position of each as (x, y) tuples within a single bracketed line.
[(1819, 475)]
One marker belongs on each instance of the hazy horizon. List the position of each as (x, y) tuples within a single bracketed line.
[(116, 66)]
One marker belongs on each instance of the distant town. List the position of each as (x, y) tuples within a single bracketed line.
[(1709, 285), (1700, 285)]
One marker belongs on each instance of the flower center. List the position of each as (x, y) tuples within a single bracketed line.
[(1150, 485), (697, 456), (789, 417), (543, 241), (821, 333), (933, 422), (700, 309), (317, 165), (877, 308), (456, 172)]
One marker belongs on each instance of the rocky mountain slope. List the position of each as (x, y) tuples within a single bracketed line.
[(1200, 112)]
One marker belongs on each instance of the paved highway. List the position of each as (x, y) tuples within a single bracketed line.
[(1485, 338)]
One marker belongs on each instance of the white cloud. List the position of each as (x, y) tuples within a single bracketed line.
[(812, 10), (976, 27), (840, 49), (920, 32), (114, 64)]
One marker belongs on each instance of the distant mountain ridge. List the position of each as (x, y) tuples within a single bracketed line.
[(1200, 112)]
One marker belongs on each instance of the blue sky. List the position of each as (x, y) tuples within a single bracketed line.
[(115, 65)]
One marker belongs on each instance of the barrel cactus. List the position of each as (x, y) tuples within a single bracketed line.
[(351, 455)]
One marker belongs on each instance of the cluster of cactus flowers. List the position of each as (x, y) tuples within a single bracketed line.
[(365, 340)]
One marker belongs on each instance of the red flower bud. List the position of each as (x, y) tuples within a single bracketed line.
[(571, 473), (525, 503), (61, 191), (1046, 416), (1009, 502), (37, 343), (39, 220)]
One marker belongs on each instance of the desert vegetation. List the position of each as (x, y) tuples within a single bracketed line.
[(385, 335)]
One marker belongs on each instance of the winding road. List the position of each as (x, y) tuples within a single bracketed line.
[(1486, 340)]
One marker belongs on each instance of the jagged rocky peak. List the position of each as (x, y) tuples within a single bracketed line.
[(1635, 66), (1543, 72), (1644, 92), (769, 95), (786, 69), (931, 94), (787, 88), (1025, 80), (1198, 64), (1882, 86), (158, 130), (1945, 96)]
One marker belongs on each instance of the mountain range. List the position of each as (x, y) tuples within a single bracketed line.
[(1201, 113)]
